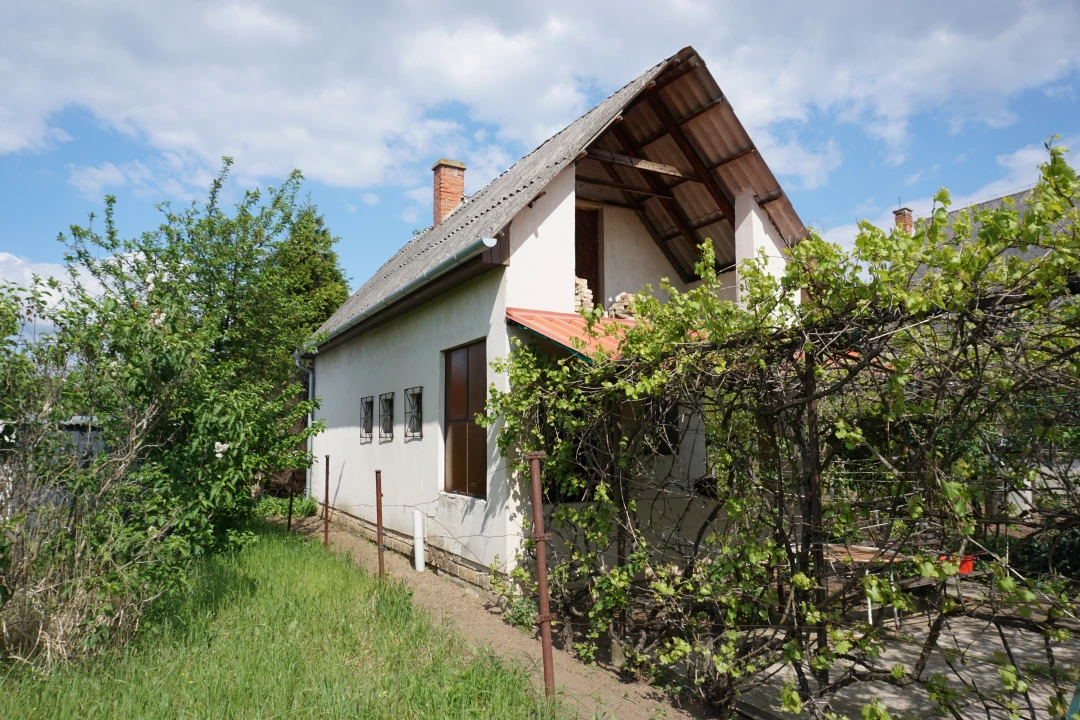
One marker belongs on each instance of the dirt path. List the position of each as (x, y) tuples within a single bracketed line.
[(590, 690)]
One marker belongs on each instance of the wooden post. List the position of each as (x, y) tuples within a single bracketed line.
[(379, 539), (540, 537), (326, 508)]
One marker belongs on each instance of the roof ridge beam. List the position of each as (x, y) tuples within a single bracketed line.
[(640, 163), (671, 206), (624, 186)]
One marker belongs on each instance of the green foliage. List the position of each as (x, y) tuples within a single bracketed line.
[(269, 506), (898, 396), (518, 589), (283, 629), (175, 348), (521, 613)]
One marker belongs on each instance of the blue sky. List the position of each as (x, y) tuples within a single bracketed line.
[(853, 106)]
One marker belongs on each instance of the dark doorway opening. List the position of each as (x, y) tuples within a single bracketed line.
[(587, 249)]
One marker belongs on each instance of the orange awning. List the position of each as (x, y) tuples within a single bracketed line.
[(564, 328)]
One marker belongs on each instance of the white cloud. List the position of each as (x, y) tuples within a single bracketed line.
[(91, 181), (1063, 91), (422, 194), (485, 163), (21, 270), (169, 174), (369, 199), (1020, 171), (919, 175), (354, 93), (809, 167), (410, 215)]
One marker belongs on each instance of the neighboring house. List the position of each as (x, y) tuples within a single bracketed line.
[(617, 200), (1017, 201)]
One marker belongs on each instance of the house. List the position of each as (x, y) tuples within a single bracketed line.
[(617, 200)]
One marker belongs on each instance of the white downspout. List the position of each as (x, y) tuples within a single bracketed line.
[(311, 396)]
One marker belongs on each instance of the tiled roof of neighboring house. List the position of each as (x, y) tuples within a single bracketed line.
[(571, 330), (486, 212), (1019, 201)]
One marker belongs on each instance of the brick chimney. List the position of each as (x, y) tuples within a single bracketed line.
[(904, 221), (449, 188)]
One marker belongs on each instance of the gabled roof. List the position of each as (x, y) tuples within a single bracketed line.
[(674, 115), (485, 213)]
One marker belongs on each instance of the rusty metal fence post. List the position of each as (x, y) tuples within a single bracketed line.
[(326, 508), (379, 536), (541, 538)]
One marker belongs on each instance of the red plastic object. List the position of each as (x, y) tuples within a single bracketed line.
[(967, 563)]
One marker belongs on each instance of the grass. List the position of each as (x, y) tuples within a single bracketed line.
[(283, 629)]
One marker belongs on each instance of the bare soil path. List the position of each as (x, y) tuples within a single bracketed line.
[(591, 691)]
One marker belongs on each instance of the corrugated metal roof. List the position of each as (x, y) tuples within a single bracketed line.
[(570, 330), (683, 86), (713, 130)]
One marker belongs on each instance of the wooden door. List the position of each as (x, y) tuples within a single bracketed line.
[(466, 441)]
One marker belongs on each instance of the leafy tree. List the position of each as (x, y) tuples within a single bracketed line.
[(916, 407), (174, 349), (311, 264)]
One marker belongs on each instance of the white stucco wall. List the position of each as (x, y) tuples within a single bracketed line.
[(630, 258), (406, 352), (754, 231), (541, 271)]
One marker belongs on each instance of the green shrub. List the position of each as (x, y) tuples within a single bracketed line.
[(269, 506), (174, 350)]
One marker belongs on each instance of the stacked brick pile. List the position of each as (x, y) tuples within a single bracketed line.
[(622, 307), (582, 294)]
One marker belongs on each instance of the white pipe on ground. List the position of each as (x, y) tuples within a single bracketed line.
[(418, 539)]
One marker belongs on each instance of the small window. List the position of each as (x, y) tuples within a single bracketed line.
[(386, 416), (414, 412), (367, 416)]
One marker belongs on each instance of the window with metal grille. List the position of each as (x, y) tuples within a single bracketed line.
[(466, 441), (414, 412), (386, 416), (367, 416)]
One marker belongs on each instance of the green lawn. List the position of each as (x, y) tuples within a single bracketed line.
[(284, 630)]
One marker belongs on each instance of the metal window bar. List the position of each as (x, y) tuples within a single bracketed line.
[(414, 412), (386, 416), (367, 416)]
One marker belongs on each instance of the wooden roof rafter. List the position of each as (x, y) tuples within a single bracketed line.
[(696, 225), (718, 193), (640, 163), (671, 206), (639, 210), (663, 132), (623, 186)]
